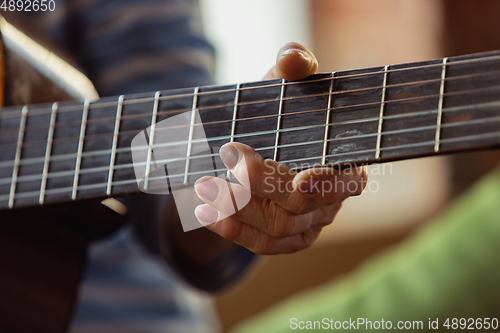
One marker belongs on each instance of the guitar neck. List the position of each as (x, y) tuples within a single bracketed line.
[(68, 151)]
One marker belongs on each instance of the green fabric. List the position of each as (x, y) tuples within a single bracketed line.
[(450, 269)]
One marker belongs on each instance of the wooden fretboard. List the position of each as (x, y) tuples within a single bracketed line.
[(69, 151)]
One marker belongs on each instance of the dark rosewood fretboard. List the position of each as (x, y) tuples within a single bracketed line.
[(68, 151)]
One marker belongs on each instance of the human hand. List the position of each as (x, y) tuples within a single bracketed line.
[(287, 209)]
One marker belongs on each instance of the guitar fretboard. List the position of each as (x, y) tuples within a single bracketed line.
[(69, 151)]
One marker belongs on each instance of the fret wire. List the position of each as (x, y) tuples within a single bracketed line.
[(381, 115), (149, 99), (115, 143), (316, 95), (191, 132), (132, 181), (83, 129), (357, 121), (327, 122), (235, 111), (235, 115), (48, 151), (19, 148), (407, 130), (278, 121), (440, 106), (151, 138)]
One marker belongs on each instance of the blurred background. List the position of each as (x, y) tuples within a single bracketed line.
[(348, 34)]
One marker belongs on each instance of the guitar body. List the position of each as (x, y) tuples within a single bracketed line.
[(43, 253), (43, 249)]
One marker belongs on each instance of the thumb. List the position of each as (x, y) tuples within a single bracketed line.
[(294, 62)]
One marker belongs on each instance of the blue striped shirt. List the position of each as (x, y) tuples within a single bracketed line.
[(126, 289)]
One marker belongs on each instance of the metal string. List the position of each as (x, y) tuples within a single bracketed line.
[(62, 157), (21, 195), (8, 180), (123, 133)]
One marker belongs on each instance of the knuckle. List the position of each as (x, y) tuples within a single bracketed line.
[(231, 230), (299, 204), (277, 225), (307, 242), (330, 212), (309, 237), (263, 246), (303, 206)]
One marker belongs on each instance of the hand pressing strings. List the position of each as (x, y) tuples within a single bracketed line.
[(285, 211)]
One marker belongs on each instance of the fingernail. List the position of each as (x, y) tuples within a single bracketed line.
[(303, 53), (206, 214), (230, 156), (309, 186), (206, 188)]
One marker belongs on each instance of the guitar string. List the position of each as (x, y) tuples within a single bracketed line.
[(114, 103), (126, 182), (367, 135), (60, 157), (337, 108), (147, 115), (339, 163), (36, 177), (127, 149), (29, 194), (134, 132), (63, 157)]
